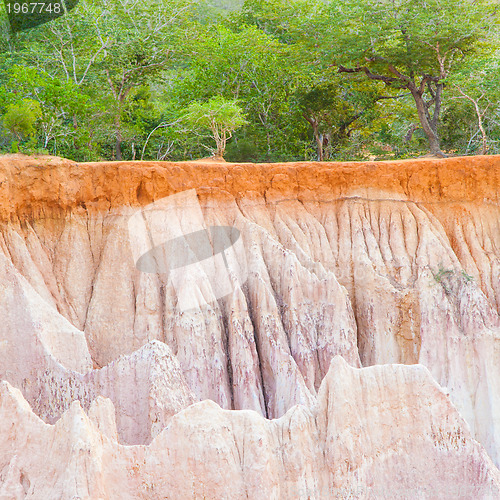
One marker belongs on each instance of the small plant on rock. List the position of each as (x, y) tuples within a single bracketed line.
[(445, 276)]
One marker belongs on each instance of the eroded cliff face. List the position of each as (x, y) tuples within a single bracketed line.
[(348, 264)]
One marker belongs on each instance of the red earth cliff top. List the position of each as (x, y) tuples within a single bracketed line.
[(32, 184)]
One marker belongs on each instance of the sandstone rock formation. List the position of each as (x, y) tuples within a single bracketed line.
[(375, 265), (379, 432)]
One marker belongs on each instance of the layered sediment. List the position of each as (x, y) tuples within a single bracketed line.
[(349, 266)]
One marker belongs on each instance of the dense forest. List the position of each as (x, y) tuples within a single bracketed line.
[(254, 80)]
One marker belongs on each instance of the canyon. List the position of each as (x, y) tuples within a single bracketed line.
[(342, 342)]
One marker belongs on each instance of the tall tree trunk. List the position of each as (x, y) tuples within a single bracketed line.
[(319, 144), (484, 148), (119, 139), (75, 128), (429, 125), (479, 114), (317, 136), (325, 143), (221, 138), (221, 147)]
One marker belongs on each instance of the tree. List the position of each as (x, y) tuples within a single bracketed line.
[(221, 116), (406, 44), (59, 101), (113, 77), (253, 67), (478, 82), (20, 118), (111, 49), (336, 108)]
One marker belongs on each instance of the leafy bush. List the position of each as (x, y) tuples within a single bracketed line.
[(20, 118)]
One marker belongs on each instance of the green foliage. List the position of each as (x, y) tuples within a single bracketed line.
[(20, 119), (441, 273), (260, 72), (415, 36), (114, 79), (447, 278), (407, 44), (219, 115), (340, 109), (475, 95), (467, 277)]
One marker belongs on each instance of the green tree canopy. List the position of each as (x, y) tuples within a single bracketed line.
[(219, 115), (113, 78), (478, 84), (20, 118), (407, 44)]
